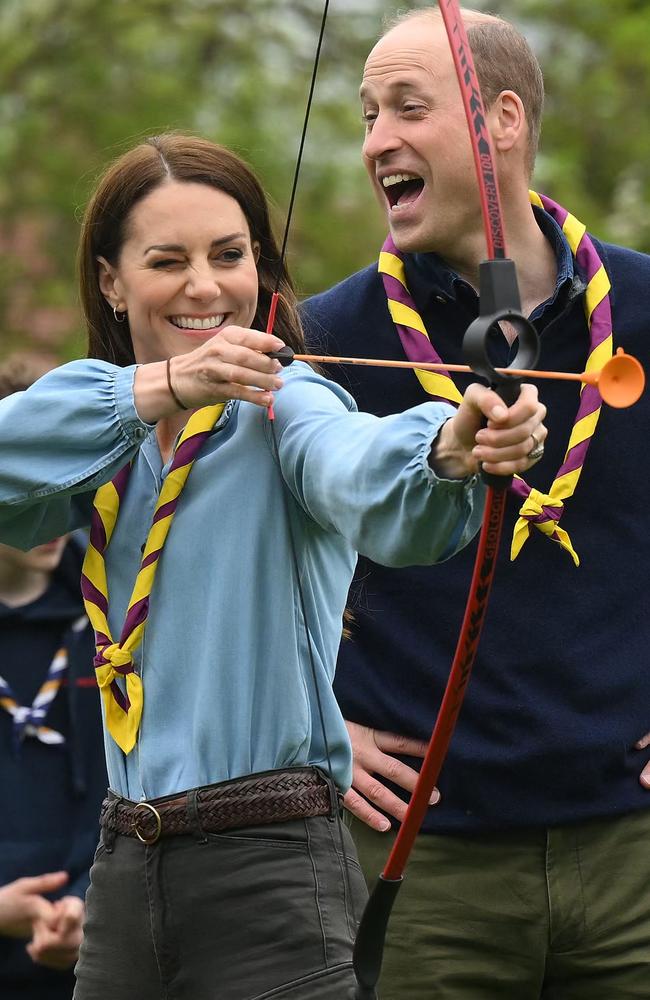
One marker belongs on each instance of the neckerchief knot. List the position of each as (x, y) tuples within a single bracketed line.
[(119, 659), (123, 701), (543, 511)]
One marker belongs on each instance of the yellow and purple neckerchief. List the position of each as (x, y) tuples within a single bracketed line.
[(541, 510), (29, 720), (123, 705)]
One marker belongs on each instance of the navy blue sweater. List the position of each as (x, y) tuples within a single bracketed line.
[(51, 795), (559, 692)]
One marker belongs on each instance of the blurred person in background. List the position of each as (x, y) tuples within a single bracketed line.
[(52, 771)]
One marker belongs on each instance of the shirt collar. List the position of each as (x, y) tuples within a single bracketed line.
[(430, 278)]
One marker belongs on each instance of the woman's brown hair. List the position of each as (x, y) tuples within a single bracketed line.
[(134, 175)]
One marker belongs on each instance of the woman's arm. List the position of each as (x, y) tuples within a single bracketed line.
[(380, 482), (61, 439)]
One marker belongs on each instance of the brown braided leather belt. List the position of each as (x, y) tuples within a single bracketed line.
[(269, 797)]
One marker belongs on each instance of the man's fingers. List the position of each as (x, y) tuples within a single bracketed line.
[(393, 743), (362, 809), (378, 794), (641, 744)]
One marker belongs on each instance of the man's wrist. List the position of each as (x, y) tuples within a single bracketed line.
[(448, 458)]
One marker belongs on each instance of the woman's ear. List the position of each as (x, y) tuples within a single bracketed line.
[(108, 281), (256, 252), (507, 120)]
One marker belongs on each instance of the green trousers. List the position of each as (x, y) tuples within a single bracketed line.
[(557, 914)]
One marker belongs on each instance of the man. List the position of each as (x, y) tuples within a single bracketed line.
[(530, 879), (52, 772)]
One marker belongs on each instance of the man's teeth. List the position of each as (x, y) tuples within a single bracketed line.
[(398, 179), (192, 323)]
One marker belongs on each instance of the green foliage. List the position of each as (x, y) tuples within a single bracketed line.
[(595, 150), (80, 80)]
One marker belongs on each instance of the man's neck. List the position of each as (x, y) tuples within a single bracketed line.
[(532, 253), (19, 587)]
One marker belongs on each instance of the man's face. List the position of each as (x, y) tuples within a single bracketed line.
[(417, 149)]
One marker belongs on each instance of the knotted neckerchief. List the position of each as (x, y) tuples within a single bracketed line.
[(543, 510), (28, 719), (123, 707)]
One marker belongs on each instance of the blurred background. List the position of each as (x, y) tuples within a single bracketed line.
[(80, 80)]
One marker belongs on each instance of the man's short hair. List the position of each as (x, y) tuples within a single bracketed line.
[(504, 61)]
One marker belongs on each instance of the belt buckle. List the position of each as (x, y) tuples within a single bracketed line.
[(158, 830)]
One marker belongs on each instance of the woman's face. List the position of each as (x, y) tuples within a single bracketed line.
[(186, 270)]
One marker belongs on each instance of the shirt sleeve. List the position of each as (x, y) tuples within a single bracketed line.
[(63, 437), (369, 478)]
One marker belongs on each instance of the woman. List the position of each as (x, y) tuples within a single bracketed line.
[(215, 668)]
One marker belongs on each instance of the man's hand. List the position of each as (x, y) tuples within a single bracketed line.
[(645, 773), (22, 903), (57, 937), (371, 753)]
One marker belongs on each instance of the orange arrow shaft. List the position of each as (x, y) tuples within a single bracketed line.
[(590, 377)]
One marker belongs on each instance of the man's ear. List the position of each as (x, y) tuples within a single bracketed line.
[(108, 282), (507, 121)]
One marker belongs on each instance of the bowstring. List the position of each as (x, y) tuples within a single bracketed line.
[(292, 540)]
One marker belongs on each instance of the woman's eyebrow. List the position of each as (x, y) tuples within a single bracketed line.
[(179, 248)]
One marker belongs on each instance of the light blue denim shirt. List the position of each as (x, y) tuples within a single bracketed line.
[(228, 687)]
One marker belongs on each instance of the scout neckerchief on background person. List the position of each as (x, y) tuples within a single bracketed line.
[(28, 719), (543, 510), (123, 708)]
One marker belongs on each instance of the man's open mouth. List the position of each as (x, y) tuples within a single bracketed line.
[(401, 189)]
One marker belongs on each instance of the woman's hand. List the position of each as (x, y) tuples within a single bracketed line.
[(231, 365), (502, 447)]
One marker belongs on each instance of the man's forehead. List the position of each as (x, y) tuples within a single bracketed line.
[(415, 47)]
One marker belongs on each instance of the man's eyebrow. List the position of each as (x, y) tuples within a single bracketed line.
[(394, 85), (179, 248)]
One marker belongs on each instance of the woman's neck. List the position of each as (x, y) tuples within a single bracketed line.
[(167, 431)]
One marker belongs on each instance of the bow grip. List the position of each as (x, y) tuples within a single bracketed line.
[(499, 298)]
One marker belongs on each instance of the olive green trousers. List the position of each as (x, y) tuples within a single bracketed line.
[(557, 914)]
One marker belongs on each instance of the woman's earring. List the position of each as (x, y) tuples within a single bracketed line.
[(119, 317)]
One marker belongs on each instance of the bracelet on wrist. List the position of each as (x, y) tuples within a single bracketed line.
[(172, 393)]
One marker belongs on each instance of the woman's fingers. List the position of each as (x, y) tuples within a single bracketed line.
[(232, 365)]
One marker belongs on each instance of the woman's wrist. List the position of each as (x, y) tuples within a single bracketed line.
[(151, 392)]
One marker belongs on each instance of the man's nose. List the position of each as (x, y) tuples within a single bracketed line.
[(382, 138)]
